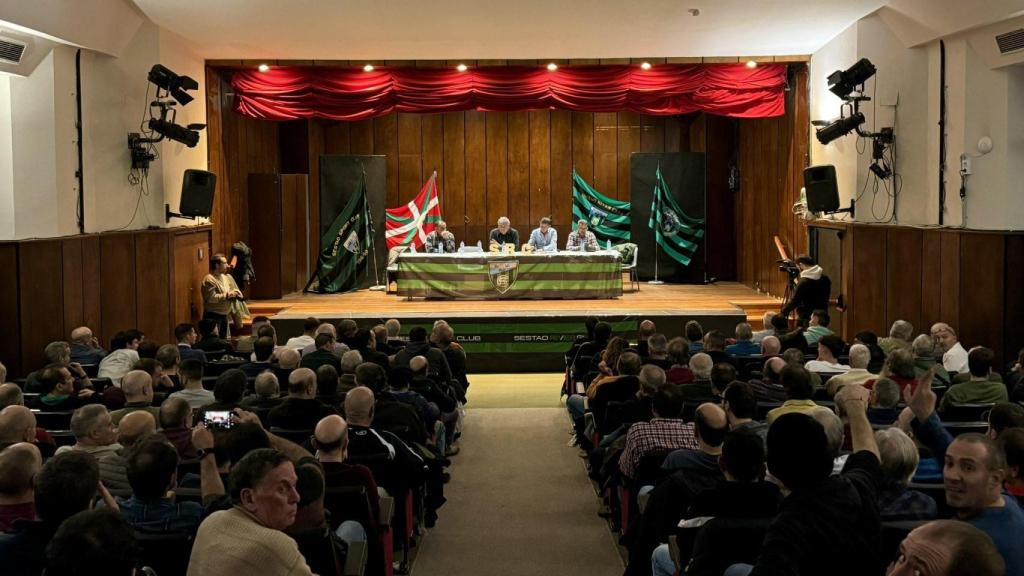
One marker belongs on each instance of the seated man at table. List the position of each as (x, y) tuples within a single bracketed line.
[(504, 233), (440, 240), (544, 238), (581, 239)]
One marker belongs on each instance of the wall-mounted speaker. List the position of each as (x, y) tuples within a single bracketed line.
[(197, 193), (821, 188)]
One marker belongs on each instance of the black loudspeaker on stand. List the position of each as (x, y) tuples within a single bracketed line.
[(822, 190), (196, 196)]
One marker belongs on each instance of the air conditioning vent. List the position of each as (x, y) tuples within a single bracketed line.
[(11, 50), (1011, 41)]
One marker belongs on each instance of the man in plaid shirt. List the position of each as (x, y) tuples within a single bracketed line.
[(666, 431), (581, 239)]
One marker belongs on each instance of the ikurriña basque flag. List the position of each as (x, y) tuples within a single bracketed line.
[(675, 231), (607, 218), (410, 224)]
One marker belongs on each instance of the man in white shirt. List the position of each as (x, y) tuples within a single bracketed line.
[(544, 238), (308, 336), (860, 357), (954, 356), (830, 347)]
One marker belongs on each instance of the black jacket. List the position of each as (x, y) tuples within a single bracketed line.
[(810, 295)]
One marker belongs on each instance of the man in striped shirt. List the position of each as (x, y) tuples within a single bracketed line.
[(665, 432)]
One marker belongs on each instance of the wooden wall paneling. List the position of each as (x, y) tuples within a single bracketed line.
[(361, 135), (153, 260), (336, 138), (410, 157), (847, 282), (455, 173), (652, 134), (185, 295), (869, 277), (289, 216), (10, 315), (216, 162), (73, 281), (479, 179), (583, 145), (720, 204), (293, 143), (92, 290), (265, 207), (673, 134), (627, 142), (949, 277), (540, 170), (433, 154), (982, 270), (561, 167), (495, 192), (903, 276), (931, 293), (385, 141), (518, 170), (606, 162), (118, 289), (40, 284), (1013, 318), (316, 148)]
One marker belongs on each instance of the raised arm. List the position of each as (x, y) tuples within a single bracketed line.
[(853, 401)]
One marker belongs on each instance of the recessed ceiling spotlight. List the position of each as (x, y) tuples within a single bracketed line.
[(552, 67), (694, 11), (462, 67), (751, 64), (263, 67), (646, 65), (368, 68)]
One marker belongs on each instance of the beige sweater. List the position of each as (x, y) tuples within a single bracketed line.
[(234, 542), (215, 293)]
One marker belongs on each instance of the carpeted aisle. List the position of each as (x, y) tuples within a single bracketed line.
[(519, 503)]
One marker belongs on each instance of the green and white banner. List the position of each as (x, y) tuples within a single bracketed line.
[(345, 245), (675, 231), (608, 218)]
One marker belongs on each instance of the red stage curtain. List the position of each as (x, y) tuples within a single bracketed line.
[(352, 94)]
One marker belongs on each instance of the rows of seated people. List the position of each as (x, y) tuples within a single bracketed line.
[(790, 452), (322, 455)]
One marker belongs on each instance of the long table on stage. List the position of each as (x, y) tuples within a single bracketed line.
[(517, 276)]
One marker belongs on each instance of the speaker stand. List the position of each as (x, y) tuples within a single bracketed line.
[(168, 215)]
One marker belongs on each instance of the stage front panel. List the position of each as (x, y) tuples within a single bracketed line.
[(518, 276)]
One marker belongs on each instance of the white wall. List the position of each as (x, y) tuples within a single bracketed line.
[(6, 162), (34, 158), (838, 54)]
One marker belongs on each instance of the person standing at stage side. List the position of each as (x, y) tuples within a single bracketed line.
[(440, 240), (544, 238), (581, 239), (219, 290), (812, 290), (505, 233)]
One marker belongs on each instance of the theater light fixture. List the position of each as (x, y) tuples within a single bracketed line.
[(646, 65), (843, 82), (368, 68), (462, 67), (263, 68), (840, 128), (171, 91), (175, 85), (751, 64), (552, 66)]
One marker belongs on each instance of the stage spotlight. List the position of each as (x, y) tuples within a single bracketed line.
[(462, 67), (840, 128), (175, 132), (174, 84), (843, 82), (646, 65), (368, 68), (751, 64), (263, 68), (552, 67)]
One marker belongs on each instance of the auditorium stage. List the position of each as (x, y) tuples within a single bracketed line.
[(528, 335)]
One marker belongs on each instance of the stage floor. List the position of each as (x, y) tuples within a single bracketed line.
[(651, 300)]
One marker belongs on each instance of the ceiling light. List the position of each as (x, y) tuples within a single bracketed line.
[(263, 67), (462, 67), (646, 65), (552, 67), (751, 64), (368, 68)]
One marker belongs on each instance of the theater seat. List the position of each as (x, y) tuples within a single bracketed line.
[(167, 553), (966, 412)]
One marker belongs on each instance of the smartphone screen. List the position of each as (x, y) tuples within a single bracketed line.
[(218, 419)]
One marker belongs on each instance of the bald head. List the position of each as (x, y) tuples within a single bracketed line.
[(19, 465), (418, 364), (700, 365), (359, 406), (174, 413), (10, 395), (267, 385), (770, 346), (331, 436), (302, 383), (135, 425), (288, 358), (17, 424), (711, 425), (81, 335), (137, 386)]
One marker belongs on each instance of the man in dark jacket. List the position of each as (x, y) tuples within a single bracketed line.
[(418, 346), (300, 410), (812, 290)]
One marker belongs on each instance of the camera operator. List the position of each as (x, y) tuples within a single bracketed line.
[(812, 292)]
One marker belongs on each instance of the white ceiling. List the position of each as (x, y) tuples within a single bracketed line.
[(502, 29)]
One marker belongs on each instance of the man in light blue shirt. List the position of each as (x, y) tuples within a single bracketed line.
[(545, 238)]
